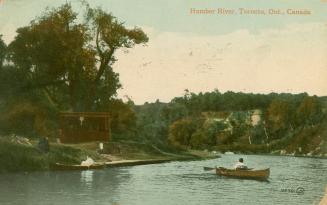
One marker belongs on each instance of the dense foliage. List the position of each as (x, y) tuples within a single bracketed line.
[(62, 62), (235, 120)]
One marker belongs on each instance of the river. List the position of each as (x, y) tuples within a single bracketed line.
[(292, 181)]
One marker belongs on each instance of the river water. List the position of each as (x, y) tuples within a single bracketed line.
[(292, 181)]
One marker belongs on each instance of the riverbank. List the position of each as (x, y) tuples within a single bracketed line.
[(192, 155), (126, 163), (18, 154), (280, 155), (324, 199), (268, 150)]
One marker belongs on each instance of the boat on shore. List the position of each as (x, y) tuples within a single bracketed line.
[(65, 167), (261, 175)]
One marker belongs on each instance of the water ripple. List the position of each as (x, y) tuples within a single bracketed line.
[(175, 183)]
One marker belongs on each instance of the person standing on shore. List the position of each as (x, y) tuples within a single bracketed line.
[(44, 145)]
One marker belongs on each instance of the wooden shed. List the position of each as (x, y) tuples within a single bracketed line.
[(76, 127)]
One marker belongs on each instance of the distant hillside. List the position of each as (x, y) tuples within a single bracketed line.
[(254, 123)]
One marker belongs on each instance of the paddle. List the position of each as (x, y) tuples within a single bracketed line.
[(208, 168)]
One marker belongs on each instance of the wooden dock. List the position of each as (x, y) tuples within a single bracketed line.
[(125, 163)]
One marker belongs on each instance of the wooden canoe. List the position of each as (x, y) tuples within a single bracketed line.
[(244, 174), (64, 167)]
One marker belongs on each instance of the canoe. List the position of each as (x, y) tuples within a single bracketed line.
[(65, 167), (244, 174)]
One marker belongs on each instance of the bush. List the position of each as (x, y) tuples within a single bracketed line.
[(18, 157), (23, 157)]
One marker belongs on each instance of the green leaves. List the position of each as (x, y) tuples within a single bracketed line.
[(3, 51), (111, 33), (66, 61), (309, 111), (71, 59), (278, 114)]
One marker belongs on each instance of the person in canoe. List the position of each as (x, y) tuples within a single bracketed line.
[(240, 164)]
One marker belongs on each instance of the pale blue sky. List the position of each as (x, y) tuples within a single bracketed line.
[(171, 15), (260, 54)]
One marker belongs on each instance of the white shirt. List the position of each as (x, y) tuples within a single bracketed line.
[(239, 165), (88, 162)]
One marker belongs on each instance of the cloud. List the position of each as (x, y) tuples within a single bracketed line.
[(292, 59), (289, 59)]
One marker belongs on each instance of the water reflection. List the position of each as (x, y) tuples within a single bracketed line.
[(87, 177)]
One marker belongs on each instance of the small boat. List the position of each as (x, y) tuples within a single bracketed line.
[(244, 174), (65, 167)]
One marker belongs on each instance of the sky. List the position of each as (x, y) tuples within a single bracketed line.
[(242, 53)]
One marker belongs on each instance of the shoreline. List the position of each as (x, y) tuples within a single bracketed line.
[(17, 155), (280, 155), (127, 163), (136, 162), (289, 155), (20, 156)]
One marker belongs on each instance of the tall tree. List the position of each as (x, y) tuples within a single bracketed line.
[(109, 35), (72, 61)]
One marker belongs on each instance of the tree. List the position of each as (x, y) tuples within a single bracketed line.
[(109, 35), (309, 111), (3, 51), (181, 131), (212, 130), (53, 52), (123, 118), (278, 116), (72, 61), (199, 140), (62, 62)]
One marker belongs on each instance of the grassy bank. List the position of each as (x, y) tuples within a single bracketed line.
[(19, 155), (130, 150)]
